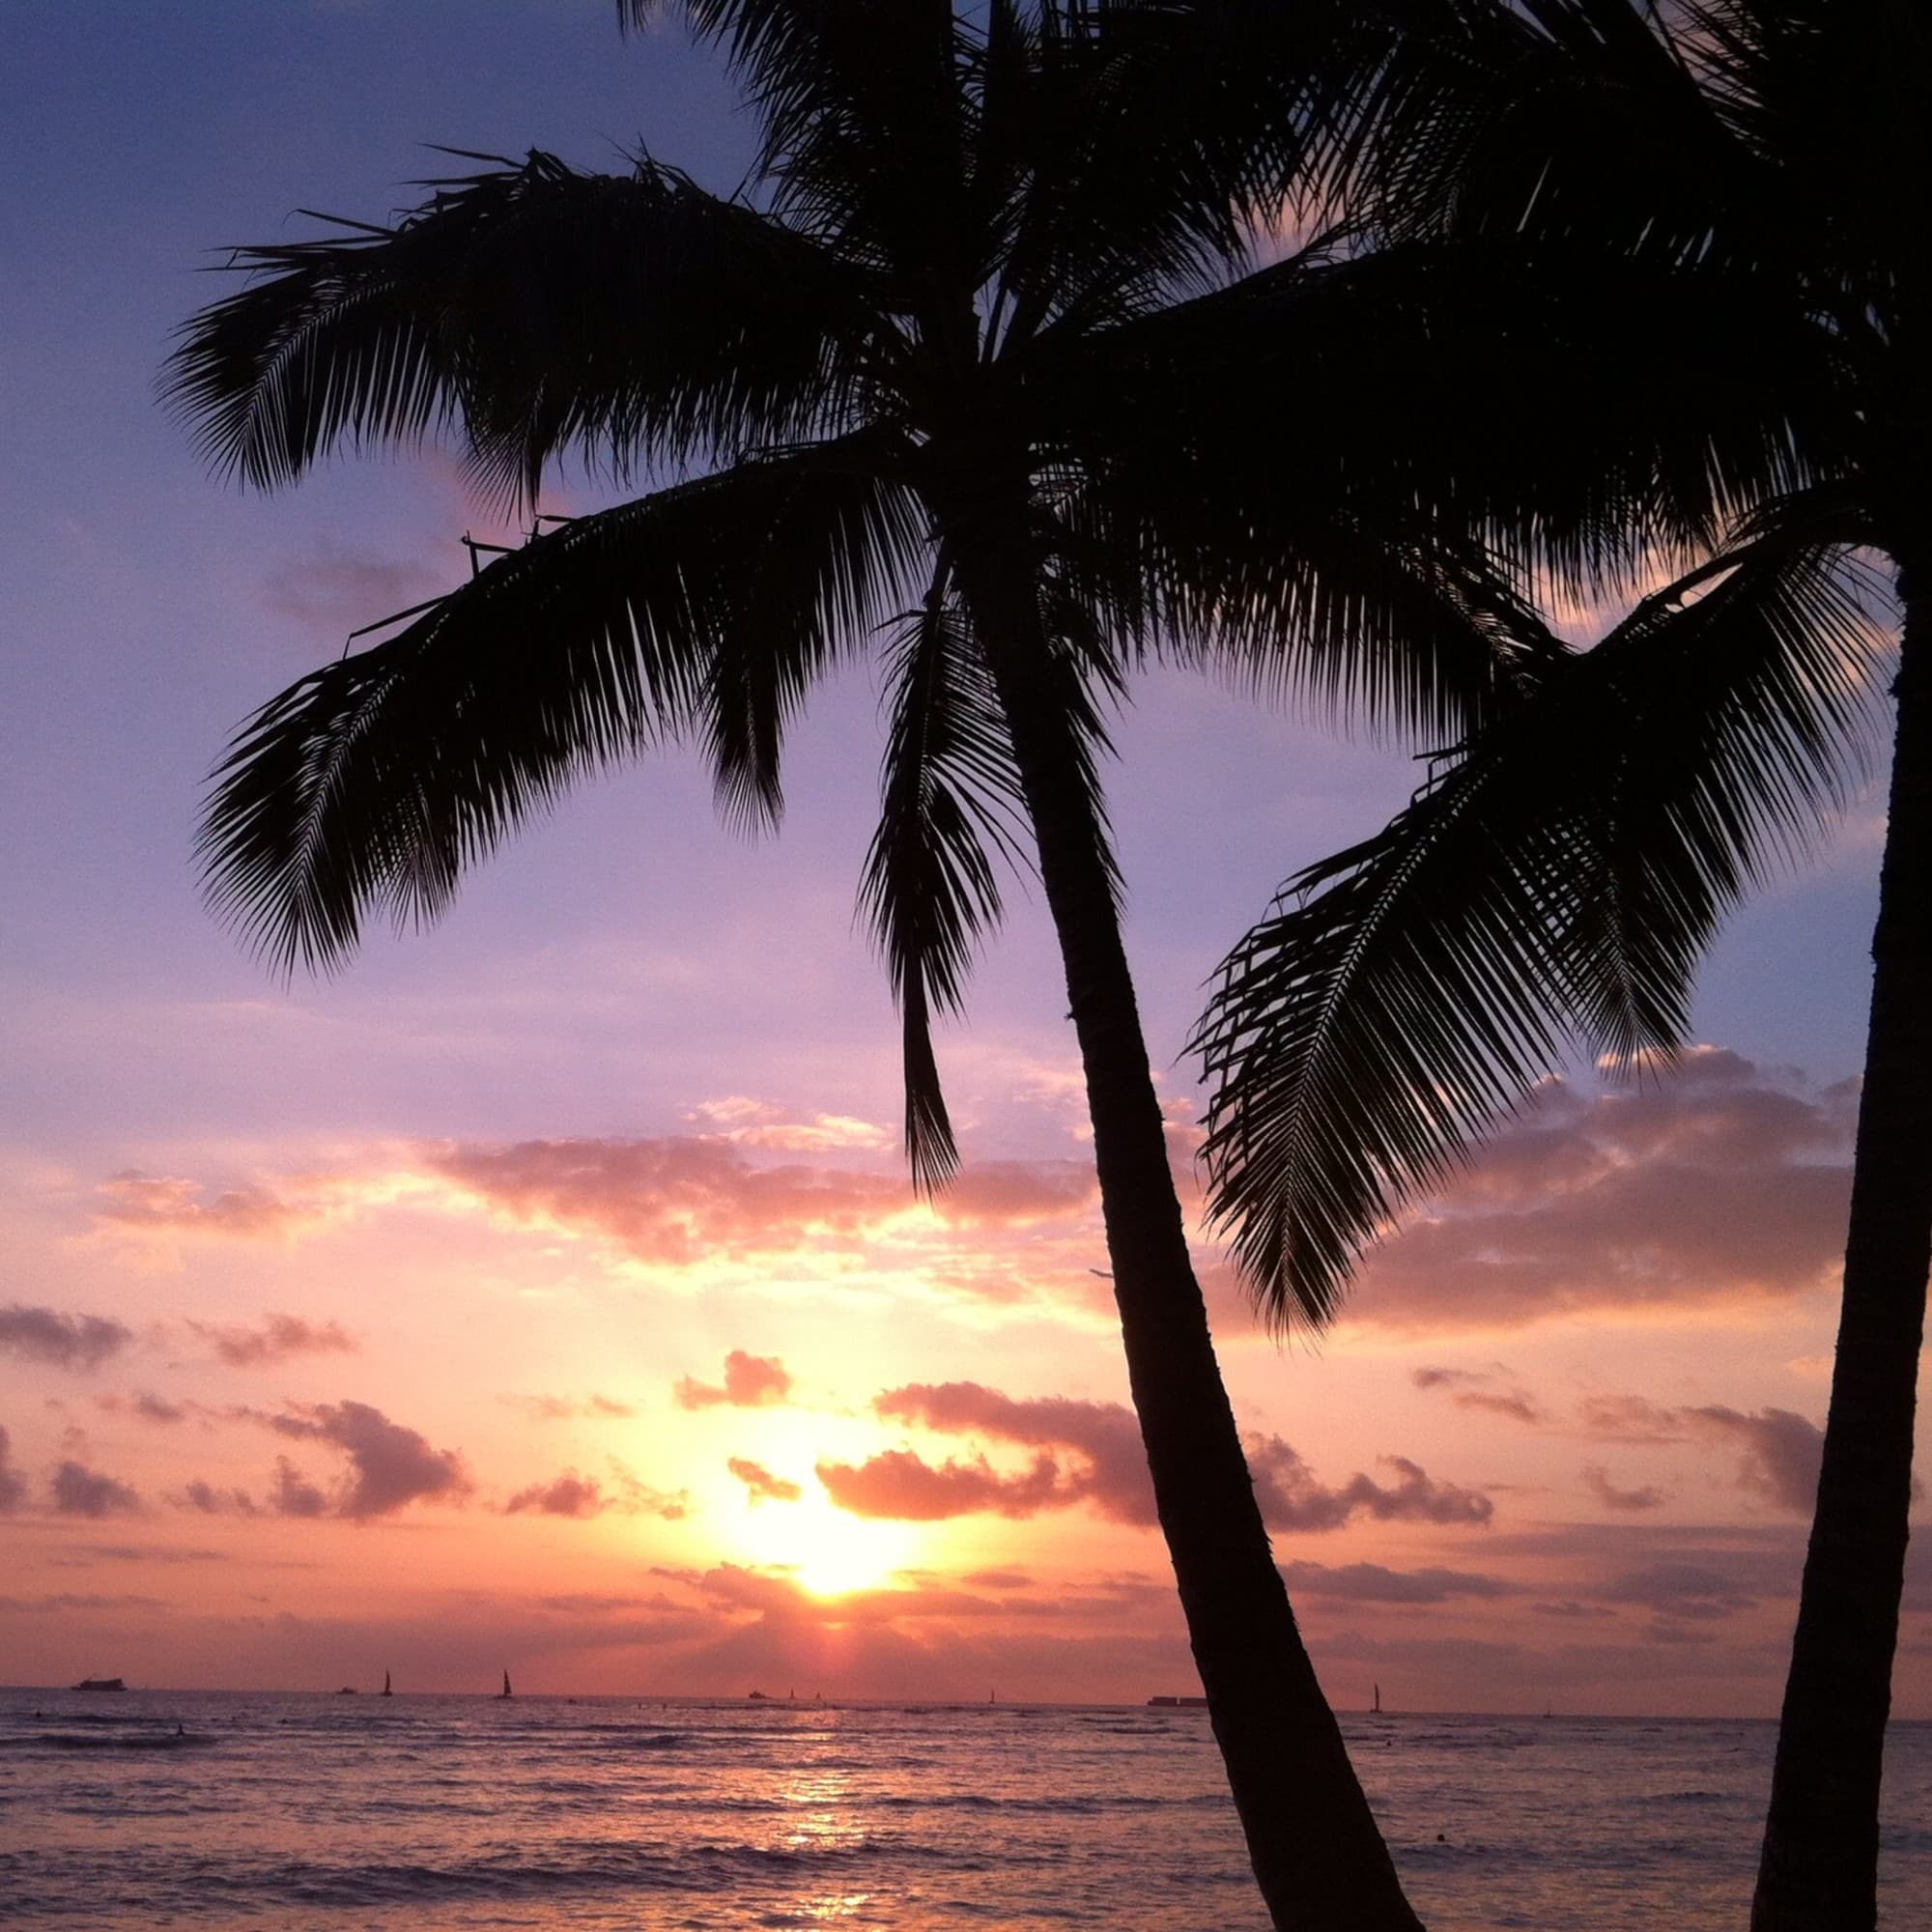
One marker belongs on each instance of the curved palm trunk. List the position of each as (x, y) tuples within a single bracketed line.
[(1317, 1851), (1818, 1872)]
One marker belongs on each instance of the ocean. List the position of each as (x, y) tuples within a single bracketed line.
[(368, 1814)]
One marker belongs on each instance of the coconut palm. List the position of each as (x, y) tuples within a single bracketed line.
[(1559, 878), (982, 373), (948, 381)]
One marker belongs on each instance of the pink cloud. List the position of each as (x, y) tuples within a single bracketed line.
[(12, 1484), (333, 590), (276, 1340), (78, 1490), (60, 1341), (148, 1407), (592, 1407), (167, 1204), (389, 1466), (900, 1484), (1711, 1182), (1597, 1480), (750, 1382), (678, 1200), (1373, 1583), (573, 1494), (1089, 1452)]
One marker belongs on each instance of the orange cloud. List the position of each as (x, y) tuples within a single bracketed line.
[(592, 1407), (760, 1485), (167, 1204), (1090, 1452), (750, 1382)]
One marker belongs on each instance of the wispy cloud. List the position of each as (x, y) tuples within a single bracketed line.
[(276, 1340)]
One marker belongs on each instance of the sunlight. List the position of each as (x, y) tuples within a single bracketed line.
[(829, 1552)]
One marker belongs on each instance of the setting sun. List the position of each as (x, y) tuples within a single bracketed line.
[(827, 1551)]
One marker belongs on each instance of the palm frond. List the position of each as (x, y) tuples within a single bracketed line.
[(374, 783), (1411, 390), (1554, 883), (530, 307), (949, 806)]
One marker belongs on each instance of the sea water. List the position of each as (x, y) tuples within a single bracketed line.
[(370, 1814)]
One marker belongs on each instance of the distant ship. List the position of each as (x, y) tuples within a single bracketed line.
[(756, 1697), (1376, 1709), (1177, 1703), (387, 1692), (101, 1684), (505, 1692), (347, 1691)]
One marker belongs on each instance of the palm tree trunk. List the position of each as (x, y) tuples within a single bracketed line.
[(1317, 1851), (1818, 1872)]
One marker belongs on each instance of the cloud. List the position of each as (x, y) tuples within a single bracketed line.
[(1090, 1452), (1597, 1480), (166, 1204), (147, 1407), (12, 1484), (1685, 1590), (1371, 1584), (276, 1340), (750, 1382), (902, 1485), (1712, 1182), (336, 590), (567, 1494), (760, 1485), (389, 1466), (679, 1200), (571, 1408), (573, 1494), (1781, 1450), (295, 1494), (763, 1124), (60, 1341), (78, 1490), (1471, 1388)]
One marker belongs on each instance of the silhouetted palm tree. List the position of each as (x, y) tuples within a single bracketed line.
[(951, 379), (1562, 873)]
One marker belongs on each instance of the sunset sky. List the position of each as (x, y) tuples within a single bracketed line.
[(545, 1290)]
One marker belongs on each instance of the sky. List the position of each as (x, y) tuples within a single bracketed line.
[(546, 1292)]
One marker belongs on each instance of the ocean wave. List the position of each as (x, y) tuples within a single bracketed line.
[(59, 1740)]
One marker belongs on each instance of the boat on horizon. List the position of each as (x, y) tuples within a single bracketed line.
[(101, 1684), (1177, 1703), (505, 1692), (386, 1690)]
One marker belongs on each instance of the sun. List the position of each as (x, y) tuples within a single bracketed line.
[(828, 1552)]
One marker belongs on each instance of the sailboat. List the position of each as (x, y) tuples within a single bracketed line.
[(1376, 1709), (387, 1692), (505, 1692)]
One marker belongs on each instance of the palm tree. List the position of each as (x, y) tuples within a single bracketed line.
[(1561, 874), (963, 375)]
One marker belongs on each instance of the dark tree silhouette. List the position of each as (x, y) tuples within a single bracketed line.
[(988, 368), (1562, 873), (951, 378)]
